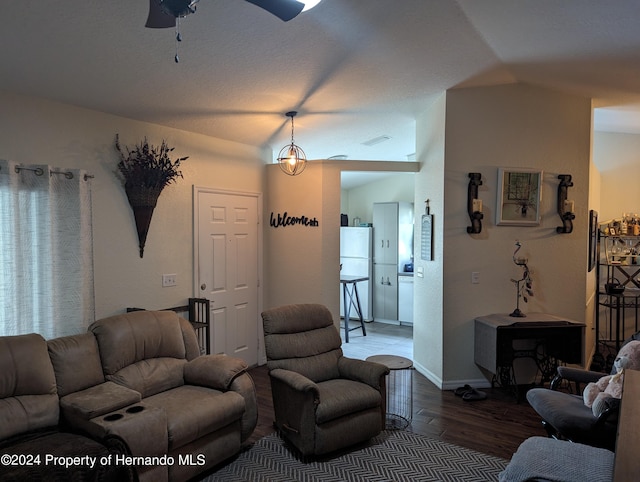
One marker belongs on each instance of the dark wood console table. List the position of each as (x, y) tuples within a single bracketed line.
[(551, 338)]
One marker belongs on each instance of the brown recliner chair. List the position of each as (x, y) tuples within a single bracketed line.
[(198, 408), (323, 401)]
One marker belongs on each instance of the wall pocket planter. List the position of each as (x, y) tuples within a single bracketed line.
[(145, 171)]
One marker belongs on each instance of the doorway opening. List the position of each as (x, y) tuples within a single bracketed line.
[(385, 334)]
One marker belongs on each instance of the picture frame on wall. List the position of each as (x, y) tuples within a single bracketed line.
[(519, 196)]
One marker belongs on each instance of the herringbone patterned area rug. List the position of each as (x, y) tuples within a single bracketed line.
[(396, 456)]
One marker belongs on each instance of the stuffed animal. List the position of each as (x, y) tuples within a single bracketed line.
[(599, 395)]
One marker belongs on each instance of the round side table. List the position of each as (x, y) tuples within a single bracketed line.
[(399, 389)]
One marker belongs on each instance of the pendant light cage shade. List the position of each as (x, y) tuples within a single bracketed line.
[(291, 158)]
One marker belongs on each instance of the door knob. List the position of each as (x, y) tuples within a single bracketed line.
[(203, 286)]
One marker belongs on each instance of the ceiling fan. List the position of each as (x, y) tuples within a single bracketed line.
[(163, 13)]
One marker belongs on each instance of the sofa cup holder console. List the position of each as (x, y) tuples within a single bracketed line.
[(135, 409), (112, 417), (142, 427)]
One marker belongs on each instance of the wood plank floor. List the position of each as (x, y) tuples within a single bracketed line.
[(495, 426)]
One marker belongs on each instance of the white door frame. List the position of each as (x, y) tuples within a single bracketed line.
[(262, 357)]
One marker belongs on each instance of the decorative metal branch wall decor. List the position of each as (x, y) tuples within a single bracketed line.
[(565, 207), (145, 171), (524, 285), (474, 205)]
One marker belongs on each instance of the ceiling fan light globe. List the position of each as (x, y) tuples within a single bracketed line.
[(178, 8), (309, 4)]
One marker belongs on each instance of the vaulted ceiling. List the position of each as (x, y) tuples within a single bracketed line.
[(355, 70)]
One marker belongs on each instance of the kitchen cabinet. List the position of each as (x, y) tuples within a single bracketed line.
[(405, 299), (385, 293), (385, 233), (392, 250)]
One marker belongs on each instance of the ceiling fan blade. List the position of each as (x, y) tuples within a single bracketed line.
[(285, 10), (158, 18)]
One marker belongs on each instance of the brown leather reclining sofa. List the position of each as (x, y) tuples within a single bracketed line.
[(140, 377)]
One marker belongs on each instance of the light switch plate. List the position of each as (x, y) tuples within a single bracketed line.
[(169, 280)]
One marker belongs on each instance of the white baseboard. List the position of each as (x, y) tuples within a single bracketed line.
[(387, 322), (451, 384)]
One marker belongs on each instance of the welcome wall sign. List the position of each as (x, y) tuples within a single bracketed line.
[(284, 220)]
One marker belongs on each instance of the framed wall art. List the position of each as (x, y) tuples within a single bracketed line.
[(519, 196), (426, 245)]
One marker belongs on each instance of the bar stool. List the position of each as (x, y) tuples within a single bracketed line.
[(351, 299)]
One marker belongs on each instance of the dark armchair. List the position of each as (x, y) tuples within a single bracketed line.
[(565, 415), (323, 401)]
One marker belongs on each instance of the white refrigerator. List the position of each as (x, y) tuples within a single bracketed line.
[(356, 259)]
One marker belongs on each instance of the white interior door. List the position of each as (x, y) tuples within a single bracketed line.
[(227, 270)]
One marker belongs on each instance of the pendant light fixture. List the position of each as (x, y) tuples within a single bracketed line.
[(292, 158)]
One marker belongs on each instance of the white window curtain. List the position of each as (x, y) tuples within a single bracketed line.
[(46, 250)]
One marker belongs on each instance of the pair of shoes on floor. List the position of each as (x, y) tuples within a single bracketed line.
[(469, 394)]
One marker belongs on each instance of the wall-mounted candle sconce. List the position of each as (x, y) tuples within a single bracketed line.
[(565, 207), (474, 205)]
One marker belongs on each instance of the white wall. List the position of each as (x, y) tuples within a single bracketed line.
[(617, 157), (302, 263), (358, 201), (38, 131), (487, 128), (428, 314), (595, 187)]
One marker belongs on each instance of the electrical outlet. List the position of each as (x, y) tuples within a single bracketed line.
[(475, 277), (169, 280)]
